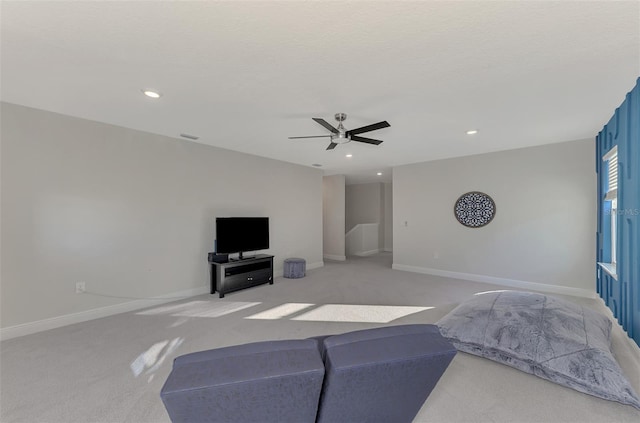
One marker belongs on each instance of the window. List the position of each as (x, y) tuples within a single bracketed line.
[(612, 196)]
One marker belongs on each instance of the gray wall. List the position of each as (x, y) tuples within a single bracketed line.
[(333, 217), (365, 203), (544, 228), (388, 217), (130, 213)]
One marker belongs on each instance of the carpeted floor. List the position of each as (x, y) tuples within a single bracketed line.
[(112, 369)]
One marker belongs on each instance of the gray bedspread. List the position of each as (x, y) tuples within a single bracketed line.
[(546, 336)]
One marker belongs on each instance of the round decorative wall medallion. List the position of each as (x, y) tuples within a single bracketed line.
[(474, 209)]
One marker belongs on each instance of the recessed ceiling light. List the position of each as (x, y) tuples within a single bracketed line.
[(349, 155), (152, 94), (472, 132), (379, 173)]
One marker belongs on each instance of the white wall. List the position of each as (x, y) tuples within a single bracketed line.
[(363, 240), (544, 227), (365, 204), (388, 217), (333, 217), (362, 204), (130, 213)]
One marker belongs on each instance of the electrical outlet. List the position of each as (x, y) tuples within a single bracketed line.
[(80, 287)]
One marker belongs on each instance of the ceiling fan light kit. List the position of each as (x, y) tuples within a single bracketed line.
[(341, 135)]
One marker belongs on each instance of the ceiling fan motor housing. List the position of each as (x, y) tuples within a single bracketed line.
[(341, 137)]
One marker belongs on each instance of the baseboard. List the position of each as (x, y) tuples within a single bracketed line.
[(334, 257), (387, 250), (366, 253), (96, 313), (556, 289)]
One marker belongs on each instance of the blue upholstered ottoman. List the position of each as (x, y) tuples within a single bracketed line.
[(294, 268), (383, 374), (273, 381)]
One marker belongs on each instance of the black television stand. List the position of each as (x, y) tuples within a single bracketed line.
[(242, 258), (241, 273)]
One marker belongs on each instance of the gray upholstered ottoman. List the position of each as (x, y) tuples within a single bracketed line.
[(273, 381), (294, 268), (383, 374)]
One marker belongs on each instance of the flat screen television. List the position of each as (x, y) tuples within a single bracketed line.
[(241, 234)]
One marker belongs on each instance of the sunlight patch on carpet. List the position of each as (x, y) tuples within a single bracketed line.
[(199, 309), (151, 360), (280, 312), (338, 312), (358, 313)]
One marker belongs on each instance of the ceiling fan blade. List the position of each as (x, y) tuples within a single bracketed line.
[(326, 125), (311, 136), (372, 127), (367, 140), (332, 146)]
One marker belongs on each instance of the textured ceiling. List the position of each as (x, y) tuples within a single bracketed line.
[(246, 75)]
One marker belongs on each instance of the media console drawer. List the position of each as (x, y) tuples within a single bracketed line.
[(238, 269), (245, 280), (240, 274)]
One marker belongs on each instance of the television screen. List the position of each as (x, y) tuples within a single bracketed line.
[(238, 234)]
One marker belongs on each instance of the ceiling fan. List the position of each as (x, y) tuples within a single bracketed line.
[(340, 135)]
